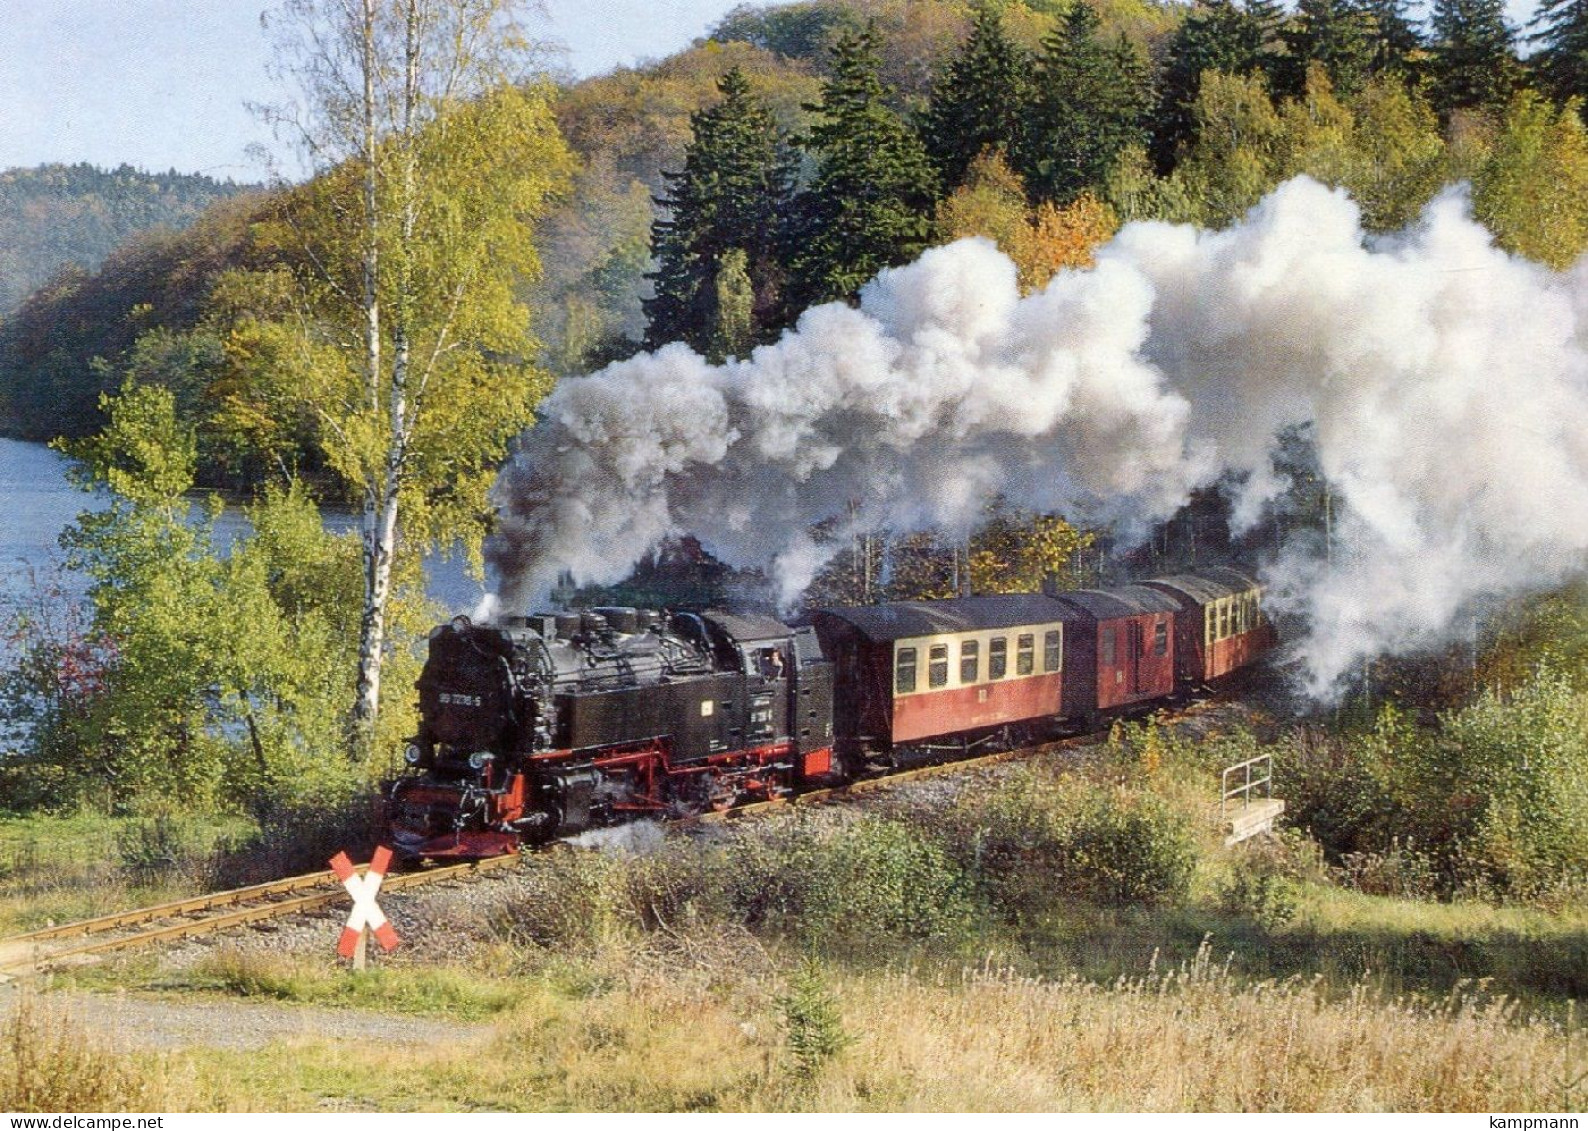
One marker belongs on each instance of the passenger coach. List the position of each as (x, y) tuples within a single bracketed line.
[(1220, 625), (1128, 654), (916, 671)]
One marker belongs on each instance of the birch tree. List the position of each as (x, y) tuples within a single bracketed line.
[(432, 153)]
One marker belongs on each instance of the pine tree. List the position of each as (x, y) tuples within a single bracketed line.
[(1397, 46), (979, 100), (1473, 62), (1335, 34), (732, 194), (1269, 19), (1090, 102), (1215, 36), (1562, 58), (869, 205)]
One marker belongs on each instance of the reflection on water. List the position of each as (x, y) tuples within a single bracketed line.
[(37, 502)]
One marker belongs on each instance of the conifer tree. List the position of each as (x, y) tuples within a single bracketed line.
[(732, 194), (1397, 46), (979, 100), (1215, 36), (1090, 102), (1269, 19), (869, 205), (1562, 58), (1473, 64), (1335, 34)]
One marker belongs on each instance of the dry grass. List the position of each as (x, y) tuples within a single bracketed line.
[(1189, 1040), (653, 1031), (48, 1063)]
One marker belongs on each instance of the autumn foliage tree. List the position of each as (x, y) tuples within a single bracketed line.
[(433, 162), (1041, 241)]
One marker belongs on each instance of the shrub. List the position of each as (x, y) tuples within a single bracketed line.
[(1128, 849), (1334, 789), (1259, 894), (1037, 838), (868, 880)]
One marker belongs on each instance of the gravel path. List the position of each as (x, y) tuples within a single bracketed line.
[(127, 1022)]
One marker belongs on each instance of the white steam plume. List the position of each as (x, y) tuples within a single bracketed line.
[(1447, 383)]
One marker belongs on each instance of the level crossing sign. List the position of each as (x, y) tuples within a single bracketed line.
[(366, 913)]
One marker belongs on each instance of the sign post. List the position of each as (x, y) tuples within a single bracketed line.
[(366, 917)]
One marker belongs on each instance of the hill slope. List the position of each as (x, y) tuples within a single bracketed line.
[(59, 215)]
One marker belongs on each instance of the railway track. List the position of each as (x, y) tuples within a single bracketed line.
[(51, 947)]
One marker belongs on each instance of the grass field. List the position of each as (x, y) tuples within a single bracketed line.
[(963, 957), (681, 1027)]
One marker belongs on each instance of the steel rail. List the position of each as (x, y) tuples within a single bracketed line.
[(13, 963)]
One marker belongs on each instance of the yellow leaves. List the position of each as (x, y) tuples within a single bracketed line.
[(1016, 551), (1064, 238), (1532, 190), (1382, 145), (992, 203)]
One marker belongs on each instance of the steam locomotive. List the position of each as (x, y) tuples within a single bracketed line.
[(543, 726)]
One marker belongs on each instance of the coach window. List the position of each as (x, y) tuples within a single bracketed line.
[(1025, 654), (1052, 651), (1224, 619), (969, 661), (1210, 617), (1108, 646), (1160, 638), (904, 672), (997, 657), (937, 666)]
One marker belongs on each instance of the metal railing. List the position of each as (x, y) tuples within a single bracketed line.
[(1252, 778)]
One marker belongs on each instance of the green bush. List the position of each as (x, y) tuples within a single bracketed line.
[(871, 879), (1334, 789), (812, 1028), (1491, 800), (1502, 788), (1038, 839), (1128, 849)]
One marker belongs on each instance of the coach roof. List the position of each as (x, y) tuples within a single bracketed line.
[(1125, 601), (1209, 584), (903, 620)]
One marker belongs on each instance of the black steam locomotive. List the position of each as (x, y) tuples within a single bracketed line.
[(548, 725), (543, 726)]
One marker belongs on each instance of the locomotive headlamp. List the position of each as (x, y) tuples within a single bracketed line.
[(412, 754), (478, 759)]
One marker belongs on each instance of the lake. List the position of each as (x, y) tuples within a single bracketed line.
[(37, 502)]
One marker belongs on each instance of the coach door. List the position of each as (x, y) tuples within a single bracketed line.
[(1133, 651)]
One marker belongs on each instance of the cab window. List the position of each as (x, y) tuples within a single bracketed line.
[(937, 666), (904, 671), (997, 657)]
